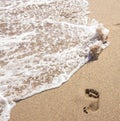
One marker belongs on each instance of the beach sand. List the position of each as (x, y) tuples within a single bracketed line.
[(66, 103)]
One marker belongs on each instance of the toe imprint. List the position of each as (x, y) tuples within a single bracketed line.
[(92, 93), (85, 110)]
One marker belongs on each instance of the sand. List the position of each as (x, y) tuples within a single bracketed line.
[(66, 103)]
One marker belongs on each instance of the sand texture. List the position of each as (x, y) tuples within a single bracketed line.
[(69, 102)]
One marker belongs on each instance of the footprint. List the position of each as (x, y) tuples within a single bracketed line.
[(94, 100)]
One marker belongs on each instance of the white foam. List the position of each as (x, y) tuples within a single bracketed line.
[(42, 44)]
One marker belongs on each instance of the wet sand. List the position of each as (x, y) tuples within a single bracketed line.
[(66, 103)]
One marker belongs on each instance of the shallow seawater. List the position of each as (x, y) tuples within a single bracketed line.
[(42, 44)]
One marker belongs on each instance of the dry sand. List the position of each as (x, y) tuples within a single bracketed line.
[(66, 102)]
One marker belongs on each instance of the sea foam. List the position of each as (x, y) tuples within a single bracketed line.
[(42, 44)]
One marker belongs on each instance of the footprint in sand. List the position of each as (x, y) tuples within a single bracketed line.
[(94, 102)]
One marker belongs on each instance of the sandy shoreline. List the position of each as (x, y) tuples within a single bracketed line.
[(66, 102)]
